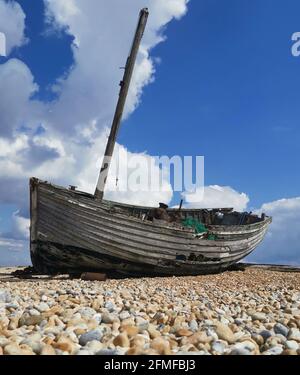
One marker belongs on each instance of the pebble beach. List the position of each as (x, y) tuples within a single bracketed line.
[(250, 312)]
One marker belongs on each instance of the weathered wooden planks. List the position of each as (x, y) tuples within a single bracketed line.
[(76, 232)]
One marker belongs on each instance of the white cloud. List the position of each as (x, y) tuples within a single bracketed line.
[(10, 243), (103, 34), (59, 13), (12, 24), (282, 243), (20, 226), (215, 196), (17, 87), (19, 230)]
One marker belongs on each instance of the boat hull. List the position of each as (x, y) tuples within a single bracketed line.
[(72, 232)]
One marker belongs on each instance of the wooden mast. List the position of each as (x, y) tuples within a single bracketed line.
[(121, 103)]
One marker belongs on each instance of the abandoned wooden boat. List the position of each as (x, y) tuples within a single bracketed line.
[(73, 231)]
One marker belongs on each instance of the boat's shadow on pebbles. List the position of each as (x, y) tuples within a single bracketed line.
[(30, 274)]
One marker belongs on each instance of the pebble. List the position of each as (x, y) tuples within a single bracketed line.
[(289, 352), (258, 339), (199, 337), (126, 294), (193, 325), (291, 344), (281, 329), (48, 350), (244, 347), (65, 344), (275, 350), (153, 332), (98, 318), (294, 334), (141, 322), (109, 318), (130, 331), (225, 333), (34, 343), (93, 346), (239, 351), (5, 296), (122, 340), (87, 312), (124, 315), (161, 346), (110, 306), (259, 316), (42, 307), (95, 334), (265, 334), (3, 341), (184, 332), (30, 320), (83, 352), (212, 334), (34, 312), (218, 347), (15, 349)]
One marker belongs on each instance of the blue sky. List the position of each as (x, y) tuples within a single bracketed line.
[(229, 88), (226, 87)]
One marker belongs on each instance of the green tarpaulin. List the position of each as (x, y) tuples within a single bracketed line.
[(199, 227)]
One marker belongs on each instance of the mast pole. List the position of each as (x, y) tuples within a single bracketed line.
[(125, 83)]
